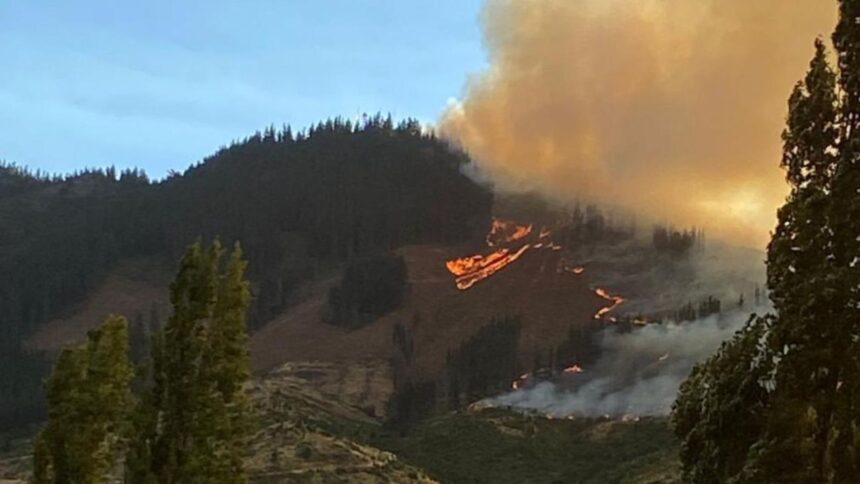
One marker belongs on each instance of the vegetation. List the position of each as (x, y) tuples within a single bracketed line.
[(781, 401), (675, 242), (503, 447), (484, 364), (591, 226), (88, 401), (371, 287), (191, 423)]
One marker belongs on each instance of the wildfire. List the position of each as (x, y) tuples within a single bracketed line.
[(518, 383), (510, 241), (470, 270), (506, 231), (573, 369), (614, 300)]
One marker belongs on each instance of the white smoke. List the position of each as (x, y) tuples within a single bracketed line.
[(638, 373)]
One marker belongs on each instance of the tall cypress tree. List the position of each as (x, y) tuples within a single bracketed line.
[(88, 400), (845, 221), (808, 335), (227, 367), (193, 422)]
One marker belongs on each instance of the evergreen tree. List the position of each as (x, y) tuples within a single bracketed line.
[(809, 333), (88, 400), (844, 450), (721, 409), (227, 367), (193, 422)]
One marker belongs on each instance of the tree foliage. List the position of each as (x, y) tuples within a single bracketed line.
[(88, 401), (485, 363), (193, 422), (371, 287)]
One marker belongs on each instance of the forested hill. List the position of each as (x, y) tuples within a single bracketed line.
[(296, 202)]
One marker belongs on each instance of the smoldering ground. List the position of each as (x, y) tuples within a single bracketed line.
[(638, 372)]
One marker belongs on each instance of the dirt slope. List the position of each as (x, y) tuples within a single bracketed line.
[(132, 289), (439, 315)]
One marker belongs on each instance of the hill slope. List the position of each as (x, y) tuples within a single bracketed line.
[(305, 435)]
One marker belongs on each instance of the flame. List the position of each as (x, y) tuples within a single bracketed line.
[(573, 369), (516, 384), (506, 231), (615, 300), (471, 270)]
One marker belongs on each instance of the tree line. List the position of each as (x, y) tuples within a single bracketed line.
[(780, 402)]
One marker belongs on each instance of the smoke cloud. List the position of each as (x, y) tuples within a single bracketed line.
[(639, 372), (673, 108)]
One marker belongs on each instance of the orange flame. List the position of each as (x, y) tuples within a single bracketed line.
[(471, 270), (573, 369), (505, 232), (615, 300)]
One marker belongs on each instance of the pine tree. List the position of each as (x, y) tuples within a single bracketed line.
[(808, 332), (193, 422), (88, 400), (845, 220), (721, 409), (229, 364)]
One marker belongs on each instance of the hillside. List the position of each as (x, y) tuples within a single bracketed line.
[(439, 315), (305, 435), (301, 205)]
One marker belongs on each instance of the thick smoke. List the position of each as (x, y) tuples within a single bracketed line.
[(638, 373), (670, 107)]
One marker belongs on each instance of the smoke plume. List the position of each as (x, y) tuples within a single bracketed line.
[(670, 107), (638, 373)]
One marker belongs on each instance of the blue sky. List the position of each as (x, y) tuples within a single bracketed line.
[(160, 84)]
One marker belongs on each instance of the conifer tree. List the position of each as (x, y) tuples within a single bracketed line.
[(88, 400), (844, 450), (227, 361), (721, 409), (808, 335), (193, 422)]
